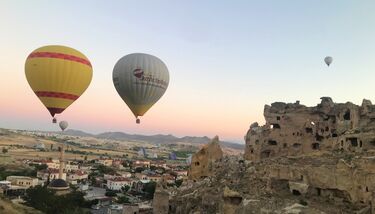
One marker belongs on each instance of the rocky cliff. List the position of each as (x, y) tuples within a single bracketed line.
[(317, 159)]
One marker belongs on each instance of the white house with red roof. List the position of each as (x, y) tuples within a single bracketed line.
[(118, 182), (77, 176)]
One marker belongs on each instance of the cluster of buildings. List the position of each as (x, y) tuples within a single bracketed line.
[(60, 175), (140, 173)]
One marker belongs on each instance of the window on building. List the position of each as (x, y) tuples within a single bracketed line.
[(347, 115), (272, 142), (296, 192), (309, 130), (353, 141), (265, 154), (275, 126), (318, 191), (318, 137), (315, 146)]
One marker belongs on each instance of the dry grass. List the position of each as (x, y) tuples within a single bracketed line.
[(12, 140), (7, 207)]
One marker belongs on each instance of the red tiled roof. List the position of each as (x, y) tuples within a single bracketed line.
[(49, 170), (119, 179), (154, 176), (80, 173)]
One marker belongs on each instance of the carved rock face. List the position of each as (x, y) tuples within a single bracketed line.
[(294, 129)]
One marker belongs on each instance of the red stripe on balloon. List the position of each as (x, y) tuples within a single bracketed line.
[(56, 95), (59, 56), (54, 111)]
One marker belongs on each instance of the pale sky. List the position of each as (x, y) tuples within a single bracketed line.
[(226, 59)]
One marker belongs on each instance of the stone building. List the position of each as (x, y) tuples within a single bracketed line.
[(22, 181), (201, 162), (294, 129)]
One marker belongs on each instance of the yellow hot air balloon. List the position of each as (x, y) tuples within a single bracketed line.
[(58, 75)]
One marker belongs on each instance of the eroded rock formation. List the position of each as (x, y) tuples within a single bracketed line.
[(201, 162), (160, 203), (294, 129), (303, 160)]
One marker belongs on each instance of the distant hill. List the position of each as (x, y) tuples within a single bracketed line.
[(155, 139)]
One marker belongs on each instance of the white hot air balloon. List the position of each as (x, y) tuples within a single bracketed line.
[(63, 125), (140, 80), (328, 60)]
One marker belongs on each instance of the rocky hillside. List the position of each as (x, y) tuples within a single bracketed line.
[(243, 187), (318, 159)]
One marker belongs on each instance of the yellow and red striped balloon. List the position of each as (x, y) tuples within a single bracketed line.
[(58, 75)]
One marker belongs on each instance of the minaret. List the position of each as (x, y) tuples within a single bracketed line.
[(62, 163), (63, 125)]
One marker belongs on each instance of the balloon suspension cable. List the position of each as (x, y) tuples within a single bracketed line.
[(54, 120), (138, 121)]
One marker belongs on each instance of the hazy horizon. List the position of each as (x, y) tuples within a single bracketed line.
[(226, 60)]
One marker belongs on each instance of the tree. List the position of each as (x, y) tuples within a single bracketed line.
[(39, 197), (178, 183), (125, 188), (85, 158), (150, 189), (40, 167), (123, 200), (5, 150), (46, 201), (139, 169), (110, 193), (105, 170)]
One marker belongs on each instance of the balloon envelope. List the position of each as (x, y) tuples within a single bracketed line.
[(63, 125), (58, 75), (141, 80), (328, 60)]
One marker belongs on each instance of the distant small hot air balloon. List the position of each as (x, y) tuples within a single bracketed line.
[(328, 60), (63, 125), (141, 80), (58, 75)]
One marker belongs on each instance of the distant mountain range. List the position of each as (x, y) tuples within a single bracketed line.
[(155, 139)]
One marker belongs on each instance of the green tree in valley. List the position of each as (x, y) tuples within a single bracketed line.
[(45, 200), (125, 188), (5, 150), (123, 200), (150, 189), (110, 193)]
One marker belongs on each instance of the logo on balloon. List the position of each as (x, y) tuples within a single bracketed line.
[(149, 79), (138, 72)]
